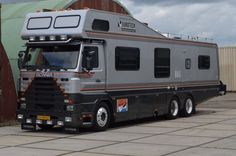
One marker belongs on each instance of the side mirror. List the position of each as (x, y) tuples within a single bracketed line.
[(88, 57), (20, 59)]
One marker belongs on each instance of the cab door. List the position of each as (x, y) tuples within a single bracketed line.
[(93, 80)]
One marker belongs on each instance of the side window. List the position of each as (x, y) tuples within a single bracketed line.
[(203, 62), (162, 63), (127, 58), (188, 63), (100, 25), (94, 60)]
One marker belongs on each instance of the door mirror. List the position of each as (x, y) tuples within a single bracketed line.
[(20, 59)]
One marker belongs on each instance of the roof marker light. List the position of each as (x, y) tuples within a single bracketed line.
[(52, 38), (31, 38), (42, 38), (63, 37)]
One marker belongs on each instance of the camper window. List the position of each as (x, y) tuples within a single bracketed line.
[(162, 63), (203, 62), (127, 58), (100, 25)]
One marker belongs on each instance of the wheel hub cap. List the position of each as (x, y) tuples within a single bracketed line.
[(102, 117)]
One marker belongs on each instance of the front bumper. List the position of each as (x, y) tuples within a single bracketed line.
[(69, 120)]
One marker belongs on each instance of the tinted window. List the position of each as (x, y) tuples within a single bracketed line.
[(100, 25), (203, 62), (127, 58), (162, 63), (94, 61)]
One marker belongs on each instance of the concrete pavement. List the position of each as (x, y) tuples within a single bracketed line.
[(211, 132)]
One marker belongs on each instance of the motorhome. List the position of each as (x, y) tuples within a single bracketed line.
[(90, 68)]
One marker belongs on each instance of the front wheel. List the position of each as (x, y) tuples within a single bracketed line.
[(173, 111), (102, 117)]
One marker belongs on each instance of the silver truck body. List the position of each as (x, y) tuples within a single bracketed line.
[(190, 69)]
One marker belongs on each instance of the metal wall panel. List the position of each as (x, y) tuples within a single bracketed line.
[(227, 60)]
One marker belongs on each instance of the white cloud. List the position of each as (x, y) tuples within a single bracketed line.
[(205, 19)]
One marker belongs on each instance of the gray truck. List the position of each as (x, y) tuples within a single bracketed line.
[(90, 68)]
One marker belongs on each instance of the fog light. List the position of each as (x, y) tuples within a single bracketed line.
[(68, 119), (23, 106), (70, 108), (49, 122), (29, 121), (39, 122), (60, 123), (20, 116)]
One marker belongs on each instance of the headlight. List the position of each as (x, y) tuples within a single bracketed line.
[(23, 106), (70, 108)]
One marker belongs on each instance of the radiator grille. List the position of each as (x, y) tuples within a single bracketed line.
[(44, 95)]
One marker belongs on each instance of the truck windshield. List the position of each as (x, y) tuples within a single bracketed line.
[(52, 57)]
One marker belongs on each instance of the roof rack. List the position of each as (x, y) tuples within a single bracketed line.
[(187, 37)]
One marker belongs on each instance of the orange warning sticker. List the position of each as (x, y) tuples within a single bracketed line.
[(122, 105)]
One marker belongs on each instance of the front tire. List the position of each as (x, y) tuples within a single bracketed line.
[(173, 111), (102, 117)]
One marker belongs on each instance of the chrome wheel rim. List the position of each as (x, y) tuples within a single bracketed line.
[(174, 108), (189, 106), (102, 117)]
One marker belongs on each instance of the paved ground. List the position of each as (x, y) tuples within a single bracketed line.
[(211, 132)]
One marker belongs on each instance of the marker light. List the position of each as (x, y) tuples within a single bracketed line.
[(68, 119), (49, 122), (60, 123), (63, 37), (20, 116), (52, 38), (32, 38), (29, 121), (42, 38), (39, 122)]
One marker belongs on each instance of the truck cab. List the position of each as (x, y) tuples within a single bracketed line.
[(54, 80)]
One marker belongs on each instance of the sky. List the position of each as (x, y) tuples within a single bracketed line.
[(214, 19)]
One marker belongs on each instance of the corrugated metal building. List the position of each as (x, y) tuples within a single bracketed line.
[(13, 17), (7, 87), (227, 59)]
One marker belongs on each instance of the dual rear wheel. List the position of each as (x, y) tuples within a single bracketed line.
[(174, 108)]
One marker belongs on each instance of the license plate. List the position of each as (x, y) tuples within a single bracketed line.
[(41, 117)]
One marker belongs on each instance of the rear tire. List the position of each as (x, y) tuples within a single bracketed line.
[(173, 110), (188, 108), (102, 117)]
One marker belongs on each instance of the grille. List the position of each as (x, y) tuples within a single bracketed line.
[(44, 95)]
